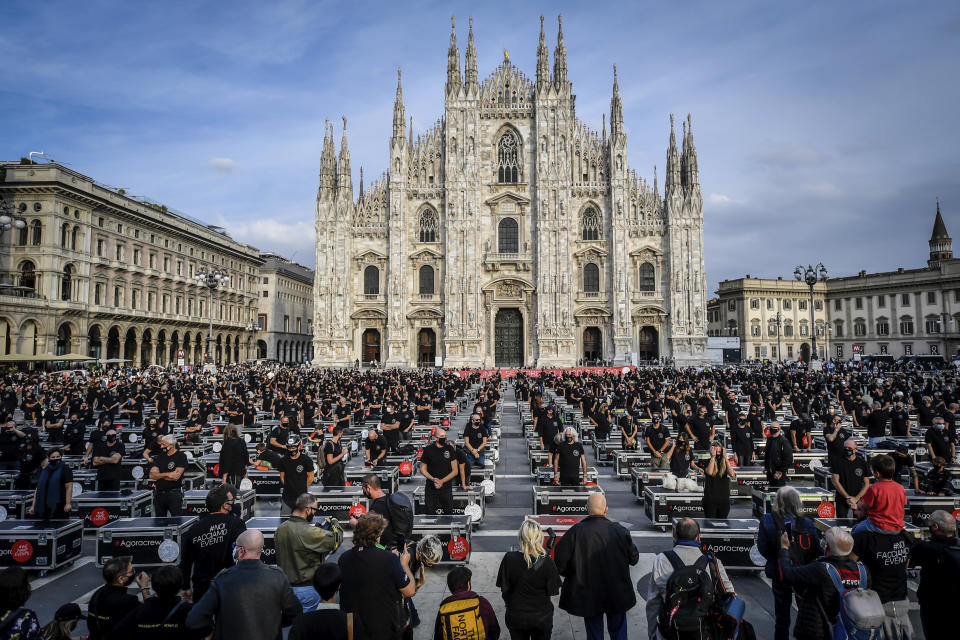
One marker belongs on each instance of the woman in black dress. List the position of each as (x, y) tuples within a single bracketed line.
[(716, 483), (234, 457), (681, 457), (601, 421), (742, 439)]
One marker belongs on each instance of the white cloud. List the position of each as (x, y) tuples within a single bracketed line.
[(294, 241), (223, 165), (720, 200)]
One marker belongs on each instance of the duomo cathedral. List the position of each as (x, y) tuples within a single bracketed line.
[(509, 234)]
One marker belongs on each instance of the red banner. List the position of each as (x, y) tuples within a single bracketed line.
[(536, 373)]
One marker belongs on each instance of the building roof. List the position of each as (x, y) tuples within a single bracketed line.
[(939, 229)]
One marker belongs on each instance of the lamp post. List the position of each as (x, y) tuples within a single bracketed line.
[(811, 275), (778, 322), (253, 327), (211, 280), (8, 221)]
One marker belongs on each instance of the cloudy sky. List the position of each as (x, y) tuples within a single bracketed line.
[(825, 130)]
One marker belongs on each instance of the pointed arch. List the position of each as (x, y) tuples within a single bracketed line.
[(428, 224), (509, 150), (591, 223)]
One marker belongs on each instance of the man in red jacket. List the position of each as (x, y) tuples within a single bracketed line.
[(458, 613)]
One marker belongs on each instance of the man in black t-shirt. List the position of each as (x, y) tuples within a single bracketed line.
[(296, 475), (475, 437), (657, 437), (167, 470), (379, 503), (548, 426), (405, 416), (279, 435), (885, 556), (701, 433), (438, 464), (376, 447), (876, 426), (106, 455), (851, 478), (74, 434), (390, 425), (569, 460), (899, 420), (939, 443), (835, 435)]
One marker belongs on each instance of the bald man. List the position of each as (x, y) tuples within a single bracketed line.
[(851, 478), (439, 467), (249, 601), (595, 556)]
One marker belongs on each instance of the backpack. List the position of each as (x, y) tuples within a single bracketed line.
[(401, 514), (803, 547), (686, 611), (460, 620), (322, 458), (861, 612)]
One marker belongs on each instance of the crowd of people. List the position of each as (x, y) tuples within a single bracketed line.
[(222, 587)]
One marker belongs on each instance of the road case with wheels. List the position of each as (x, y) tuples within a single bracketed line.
[(557, 501), (339, 502), (266, 483), (153, 542), (920, 507), (641, 477), (389, 476), (815, 502), (663, 505), (195, 503), (626, 459), (748, 479), (469, 502), (455, 533), (545, 476), (823, 478), (98, 508), (39, 544), (730, 540), (407, 465), (15, 504), (559, 524), (802, 460)]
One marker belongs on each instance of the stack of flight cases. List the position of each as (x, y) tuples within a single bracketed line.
[(153, 542), (815, 502), (559, 500), (268, 527), (98, 508), (455, 533), (730, 540), (466, 502), (662, 505), (748, 479), (39, 544), (195, 502)]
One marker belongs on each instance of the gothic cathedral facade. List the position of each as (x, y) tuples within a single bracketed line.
[(509, 234)]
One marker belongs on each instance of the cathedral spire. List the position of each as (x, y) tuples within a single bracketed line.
[(691, 173), (399, 116), (471, 61), (616, 108), (543, 61), (941, 245), (361, 182), (560, 58), (328, 162), (453, 60), (673, 162), (344, 179), (656, 189)]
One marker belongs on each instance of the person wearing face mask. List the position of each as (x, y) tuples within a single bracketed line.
[(835, 434), (851, 478), (390, 425), (939, 561), (899, 420), (937, 482), (376, 447), (106, 458), (301, 547), (207, 548), (167, 471), (777, 457), (939, 443), (332, 454), (51, 498), (439, 467), (112, 602), (296, 475), (569, 460), (659, 443)]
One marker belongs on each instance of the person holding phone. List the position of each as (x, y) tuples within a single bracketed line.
[(716, 483)]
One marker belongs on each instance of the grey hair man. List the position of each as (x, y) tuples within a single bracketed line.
[(167, 472), (569, 460), (939, 560)]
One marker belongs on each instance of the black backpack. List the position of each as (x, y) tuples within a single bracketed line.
[(688, 603), (803, 547), (401, 514)]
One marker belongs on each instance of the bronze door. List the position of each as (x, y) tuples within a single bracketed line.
[(426, 348), (371, 346), (592, 345), (648, 347), (508, 338)]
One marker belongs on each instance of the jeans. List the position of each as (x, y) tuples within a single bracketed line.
[(307, 596), (872, 442), (616, 626), (867, 525), (663, 462), (782, 598), (477, 461)]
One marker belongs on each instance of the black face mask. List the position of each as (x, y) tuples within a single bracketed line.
[(54, 463), (111, 439), (569, 438), (235, 510), (441, 441), (309, 516)]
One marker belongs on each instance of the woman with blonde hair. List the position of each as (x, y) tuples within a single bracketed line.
[(716, 483), (527, 579)]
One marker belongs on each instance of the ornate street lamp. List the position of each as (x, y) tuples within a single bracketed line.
[(811, 275), (211, 280), (777, 322), (253, 328)]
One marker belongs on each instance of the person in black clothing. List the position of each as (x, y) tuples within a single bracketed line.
[(741, 439), (207, 547), (937, 482), (74, 433), (390, 425), (439, 467), (876, 425), (10, 440), (701, 433), (939, 560), (885, 555), (333, 454), (161, 617), (167, 471), (939, 442), (376, 447), (601, 421), (51, 498), (527, 579), (569, 461), (659, 443), (296, 475), (106, 458), (629, 431), (475, 437), (112, 602), (800, 432), (548, 426), (835, 434), (327, 620), (851, 478), (32, 455), (777, 457), (268, 458), (370, 485), (234, 457), (342, 413), (53, 421), (279, 435), (899, 420), (716, 483)]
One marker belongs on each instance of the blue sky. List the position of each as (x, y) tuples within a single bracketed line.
[(825, 130)]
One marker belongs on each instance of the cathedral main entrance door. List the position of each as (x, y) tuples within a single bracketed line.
[(648, 347), (371, 346), (508, 338), (592, 345), (426, 348)]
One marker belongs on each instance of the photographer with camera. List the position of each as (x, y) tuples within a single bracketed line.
[(301, 547)]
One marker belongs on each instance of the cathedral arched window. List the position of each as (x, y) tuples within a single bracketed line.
[(590, 224), (508, 236), (428, 226), (591, 278), (371, 281), (508, 158), (648, 280), (426, 280)]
